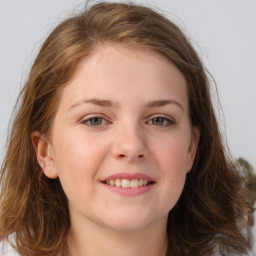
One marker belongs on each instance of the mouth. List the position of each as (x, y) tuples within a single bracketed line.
[(128, 183)]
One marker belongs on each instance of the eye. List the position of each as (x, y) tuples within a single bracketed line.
[(161, 121), (94, 121)]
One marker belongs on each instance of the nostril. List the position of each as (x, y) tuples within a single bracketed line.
[(124, 156)]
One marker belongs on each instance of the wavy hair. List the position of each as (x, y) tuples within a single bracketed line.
[(214, 210)]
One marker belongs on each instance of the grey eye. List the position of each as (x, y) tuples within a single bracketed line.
[(158, 121), (161, 121), (95, 121)]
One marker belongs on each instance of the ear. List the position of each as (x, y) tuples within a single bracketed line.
[(195, 136), (44, 154)]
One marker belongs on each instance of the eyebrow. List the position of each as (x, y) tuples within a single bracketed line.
[(109, 103), (97, 102), (160, 103)]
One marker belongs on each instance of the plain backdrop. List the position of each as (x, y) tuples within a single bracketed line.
[(223, 32)]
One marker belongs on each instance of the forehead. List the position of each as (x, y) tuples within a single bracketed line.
[(113, 71)]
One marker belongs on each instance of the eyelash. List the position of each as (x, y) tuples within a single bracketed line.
[(166, 122), (88, 120)]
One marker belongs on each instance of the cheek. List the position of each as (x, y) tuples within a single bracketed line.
[(174, 176), (78, 159), (76, 149), (173, 168), (172, 162), (172, 154)]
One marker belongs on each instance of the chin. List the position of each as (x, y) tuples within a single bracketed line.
[(131, 221)]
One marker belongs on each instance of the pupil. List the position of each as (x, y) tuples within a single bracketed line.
[(95, 121), (158, 120)]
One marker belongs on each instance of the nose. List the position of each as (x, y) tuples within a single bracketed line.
[(130, 145)]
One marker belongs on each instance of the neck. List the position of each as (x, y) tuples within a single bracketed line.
[(94, 240)]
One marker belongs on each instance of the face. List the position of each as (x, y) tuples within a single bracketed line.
[(121, 141)]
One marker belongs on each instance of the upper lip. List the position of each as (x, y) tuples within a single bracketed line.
[(129, 176)]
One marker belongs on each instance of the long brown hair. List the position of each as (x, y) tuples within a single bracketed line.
[(214, 211)]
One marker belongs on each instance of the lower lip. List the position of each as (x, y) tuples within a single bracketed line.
[(130, 191)]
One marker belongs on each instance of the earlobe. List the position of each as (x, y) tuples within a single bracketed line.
[(44, 154), (195, 136)]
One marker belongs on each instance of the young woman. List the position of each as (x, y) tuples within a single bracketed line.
[(115, 148)]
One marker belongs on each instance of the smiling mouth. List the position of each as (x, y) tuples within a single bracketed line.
[(125, 183)]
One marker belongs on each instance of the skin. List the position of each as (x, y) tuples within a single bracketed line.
[(124, 137)]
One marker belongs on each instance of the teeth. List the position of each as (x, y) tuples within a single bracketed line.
[(125, 183), (134, 183), (118, 183)]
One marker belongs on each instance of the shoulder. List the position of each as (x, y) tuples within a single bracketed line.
[(251, 252), (7, 250)]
